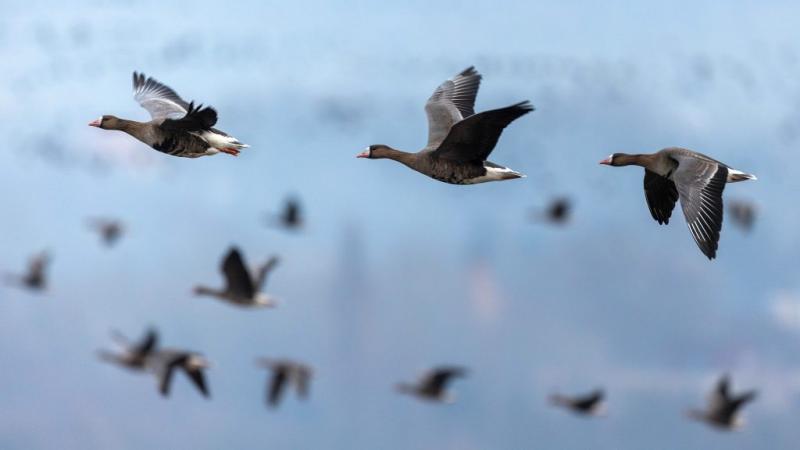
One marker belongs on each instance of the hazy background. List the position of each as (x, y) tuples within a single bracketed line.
[(396, 272)]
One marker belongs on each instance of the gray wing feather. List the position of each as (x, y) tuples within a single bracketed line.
[(700, 184), (451, 102), (158, 99)]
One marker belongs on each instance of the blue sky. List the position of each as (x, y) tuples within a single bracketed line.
[(397, 272)]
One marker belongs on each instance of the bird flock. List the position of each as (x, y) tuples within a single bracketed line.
[(459, 144)]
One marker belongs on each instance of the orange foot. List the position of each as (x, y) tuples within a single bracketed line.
[(229, 150)]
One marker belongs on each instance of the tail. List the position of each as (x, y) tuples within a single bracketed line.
[(736, 175)]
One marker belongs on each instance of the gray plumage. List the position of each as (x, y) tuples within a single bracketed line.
[(722, 410)]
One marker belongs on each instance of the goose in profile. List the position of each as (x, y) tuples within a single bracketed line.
[(722, 411), (110, 230), (284, 373), (35, 278), (176, 127), (591, 404), (291, 218), (134, 355), (459, 141), (241, 287), (432, 386), (556, 213), (164, 363), (696, 179), (743, 214)]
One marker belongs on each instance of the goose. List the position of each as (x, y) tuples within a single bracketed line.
[(110, 230), (35, 278), (134, 355), (722, 411), (590, 404), (696, 179), (556, 213), (432, 386), (177, 128), (743, 214), (459, 141), (291, 218), (164, 363), (284, 372), (241, 287)]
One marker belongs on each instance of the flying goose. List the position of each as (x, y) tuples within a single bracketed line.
[(459, 141), (556, 213), (134, 355), (35, 278), (110, 230), (723, 407), (164, 363), (291, 217), (590, 404), (177, 128), (432, 385), (743, 214), (285, 372), (696, 179), (241, 287)]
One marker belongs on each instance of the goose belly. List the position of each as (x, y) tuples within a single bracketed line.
[(494, 173)]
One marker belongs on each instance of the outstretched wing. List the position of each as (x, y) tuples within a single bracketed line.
[(700, 184), (264, 271), (196, 119), (158, 99), (661, 195), (237, 277), (451, 102)]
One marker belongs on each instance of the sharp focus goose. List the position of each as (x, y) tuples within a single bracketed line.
[(591, 404), (241, 287), (722, 411), (284, 374), (696, 179), (177, 128), (432, 386), (459, 141), (35, 278)]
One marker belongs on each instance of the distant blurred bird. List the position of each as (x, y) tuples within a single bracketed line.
[(165, 362), (36, 277), (696, 179), (110, 230), (241, 287), (743, 214), (177, 128), (459, 141), (556, 213), (134, 355), (283, 373), (590, 404), (432, 385), (291, 218), (723, 407)]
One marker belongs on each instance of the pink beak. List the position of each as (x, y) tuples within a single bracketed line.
[(364, 154), (606, 161), (95, 123)]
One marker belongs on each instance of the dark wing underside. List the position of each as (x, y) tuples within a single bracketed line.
[(237, 276), (279, 379), (196, 119), (661, 195)]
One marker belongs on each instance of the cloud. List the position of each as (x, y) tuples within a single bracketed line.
[(784, 307)]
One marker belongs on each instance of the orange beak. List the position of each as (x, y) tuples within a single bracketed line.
[(95, 123), (606, 162)]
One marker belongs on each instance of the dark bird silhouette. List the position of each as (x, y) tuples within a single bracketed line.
[(177, 128), (557, 212), (284, 373), (165, 363), (722, 411), (696, 179), (241, 287), (743, 214), (110, 230), (432, 385), (590, 404), (459, 141), (291, 218), (134, 355), (35, 278)]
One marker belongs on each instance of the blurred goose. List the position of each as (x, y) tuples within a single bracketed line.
[(590, 404), (177, 128), (134, 355), (164, 363), (241, 287), (35, 278), (723, 407), (432, 386), (743, 214), (459, 141), (696, 179), (557, 212), (291, 217), (110, 230), (283, 373)]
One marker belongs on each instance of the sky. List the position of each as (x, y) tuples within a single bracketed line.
[(395, 272)]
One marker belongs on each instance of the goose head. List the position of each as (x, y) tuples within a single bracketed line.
[(107, 123), (376, 151)]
